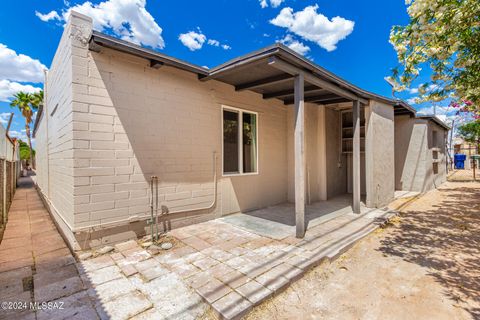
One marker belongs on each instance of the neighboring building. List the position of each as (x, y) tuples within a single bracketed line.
[(420, 152), (9, 171), (263, 129), (468, 149)]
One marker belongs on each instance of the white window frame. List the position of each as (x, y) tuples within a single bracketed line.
[(240, 142)]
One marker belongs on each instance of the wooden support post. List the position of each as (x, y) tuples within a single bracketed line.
[(356, 157), (300, 162)]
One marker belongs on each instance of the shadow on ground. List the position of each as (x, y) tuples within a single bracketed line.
[(445, 240)]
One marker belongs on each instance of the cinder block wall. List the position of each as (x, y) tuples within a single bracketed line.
[(54, 136), (125, 122)]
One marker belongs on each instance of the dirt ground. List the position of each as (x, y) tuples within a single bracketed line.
[(426, 265)]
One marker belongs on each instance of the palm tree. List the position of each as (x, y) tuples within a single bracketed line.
[(27, 103)]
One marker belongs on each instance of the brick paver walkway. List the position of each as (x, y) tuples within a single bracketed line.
[(214, 263), (35, 263), (37, 267)]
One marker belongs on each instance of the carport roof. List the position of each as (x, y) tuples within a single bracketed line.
[(269, 71)]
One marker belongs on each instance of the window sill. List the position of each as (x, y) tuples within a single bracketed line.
[(227, 175)]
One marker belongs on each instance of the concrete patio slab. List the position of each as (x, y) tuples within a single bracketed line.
[(278, 222)]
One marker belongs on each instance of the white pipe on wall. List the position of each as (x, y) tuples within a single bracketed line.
[(146, 217)]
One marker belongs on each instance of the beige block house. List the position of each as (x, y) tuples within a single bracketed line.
[(266, 128)]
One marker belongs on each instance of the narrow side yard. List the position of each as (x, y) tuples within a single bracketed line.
[(424, 266)]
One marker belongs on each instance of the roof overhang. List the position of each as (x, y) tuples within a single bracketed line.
[(99, 40), (435, 119), (269, 72)]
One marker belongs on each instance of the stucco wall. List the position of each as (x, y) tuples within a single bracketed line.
[(414, 154), (379, 154), (410, 153), (434, 179), (336, 163), (313, 138)]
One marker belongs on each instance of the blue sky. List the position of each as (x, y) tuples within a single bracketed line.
[(354, 45)]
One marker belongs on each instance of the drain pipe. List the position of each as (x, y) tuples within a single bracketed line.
[(145, 217), (214, 202), (154, 181)]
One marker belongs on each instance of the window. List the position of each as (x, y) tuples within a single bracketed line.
[(240, 147), (434, 138)]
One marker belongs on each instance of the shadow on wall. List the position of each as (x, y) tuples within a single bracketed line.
[(444, 240), (167, 138), (403, 135), (173, 123), (405, 148)]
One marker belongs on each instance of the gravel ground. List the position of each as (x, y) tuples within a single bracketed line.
[(425, 265)]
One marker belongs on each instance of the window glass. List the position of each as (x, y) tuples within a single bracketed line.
[(230, 141), (249, 142)]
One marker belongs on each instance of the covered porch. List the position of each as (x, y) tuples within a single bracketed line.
[(279, 73), (279, 222)]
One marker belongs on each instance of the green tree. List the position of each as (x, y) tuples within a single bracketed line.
[(25, 150), (27, 103), (470, 132), (442, 35)]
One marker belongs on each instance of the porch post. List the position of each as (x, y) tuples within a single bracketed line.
[(300, 163), (356, 157)]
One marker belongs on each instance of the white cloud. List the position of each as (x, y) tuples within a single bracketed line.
[(4, 117), (273, 3), (193, 40), (314, 26), (429, 88), (52, 15), (128, 19), (212, 42), (19, 67), (9, 88), (412, 100), (444, 113), (295, 45), (20, 135), (413, 90)]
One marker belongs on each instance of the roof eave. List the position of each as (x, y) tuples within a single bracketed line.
[(277, 49), (100, 39)]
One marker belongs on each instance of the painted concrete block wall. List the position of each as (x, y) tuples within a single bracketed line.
[(41, 157), (54, 137), (379, 154), (130, 121)]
